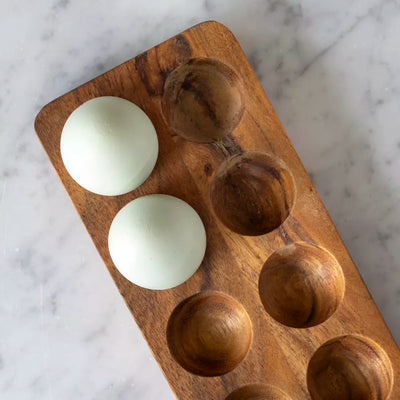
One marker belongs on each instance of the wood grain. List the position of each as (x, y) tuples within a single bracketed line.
[(258, 392), (279, 355), (301, 285), (209, 333), (350, 367), (252, 193), (203, 100)]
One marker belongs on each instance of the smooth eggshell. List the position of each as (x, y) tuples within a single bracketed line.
[(157, 241), (109, 145)]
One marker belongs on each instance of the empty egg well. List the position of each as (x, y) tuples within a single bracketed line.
[(252, 193), (203, 100), (301, 285), (258, 392), (209, 333), (350, 367)]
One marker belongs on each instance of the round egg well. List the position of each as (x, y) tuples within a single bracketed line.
[(350, 367), (301, 285), (203, 100), (209, 333), (258, 392), (252, 193)]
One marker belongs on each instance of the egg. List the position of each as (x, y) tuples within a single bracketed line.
[(109, 146), (157, 241)]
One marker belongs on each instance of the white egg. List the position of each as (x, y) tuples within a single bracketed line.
[(157, 241), (109, 146)]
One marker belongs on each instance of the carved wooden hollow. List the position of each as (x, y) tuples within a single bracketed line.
[(252, 193), (258, 392), (209, 333), (203, 100), (301, 285), (350, 367)]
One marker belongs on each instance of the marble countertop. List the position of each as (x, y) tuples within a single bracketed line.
[(330, 70)]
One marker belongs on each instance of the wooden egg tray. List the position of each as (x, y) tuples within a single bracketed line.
[(211, 335)]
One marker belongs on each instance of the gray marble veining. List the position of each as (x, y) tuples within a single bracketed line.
[(329, 68)]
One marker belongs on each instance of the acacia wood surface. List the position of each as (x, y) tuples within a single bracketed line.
[(278, 354)]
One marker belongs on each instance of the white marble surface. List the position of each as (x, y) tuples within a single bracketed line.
[(331, 70)]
